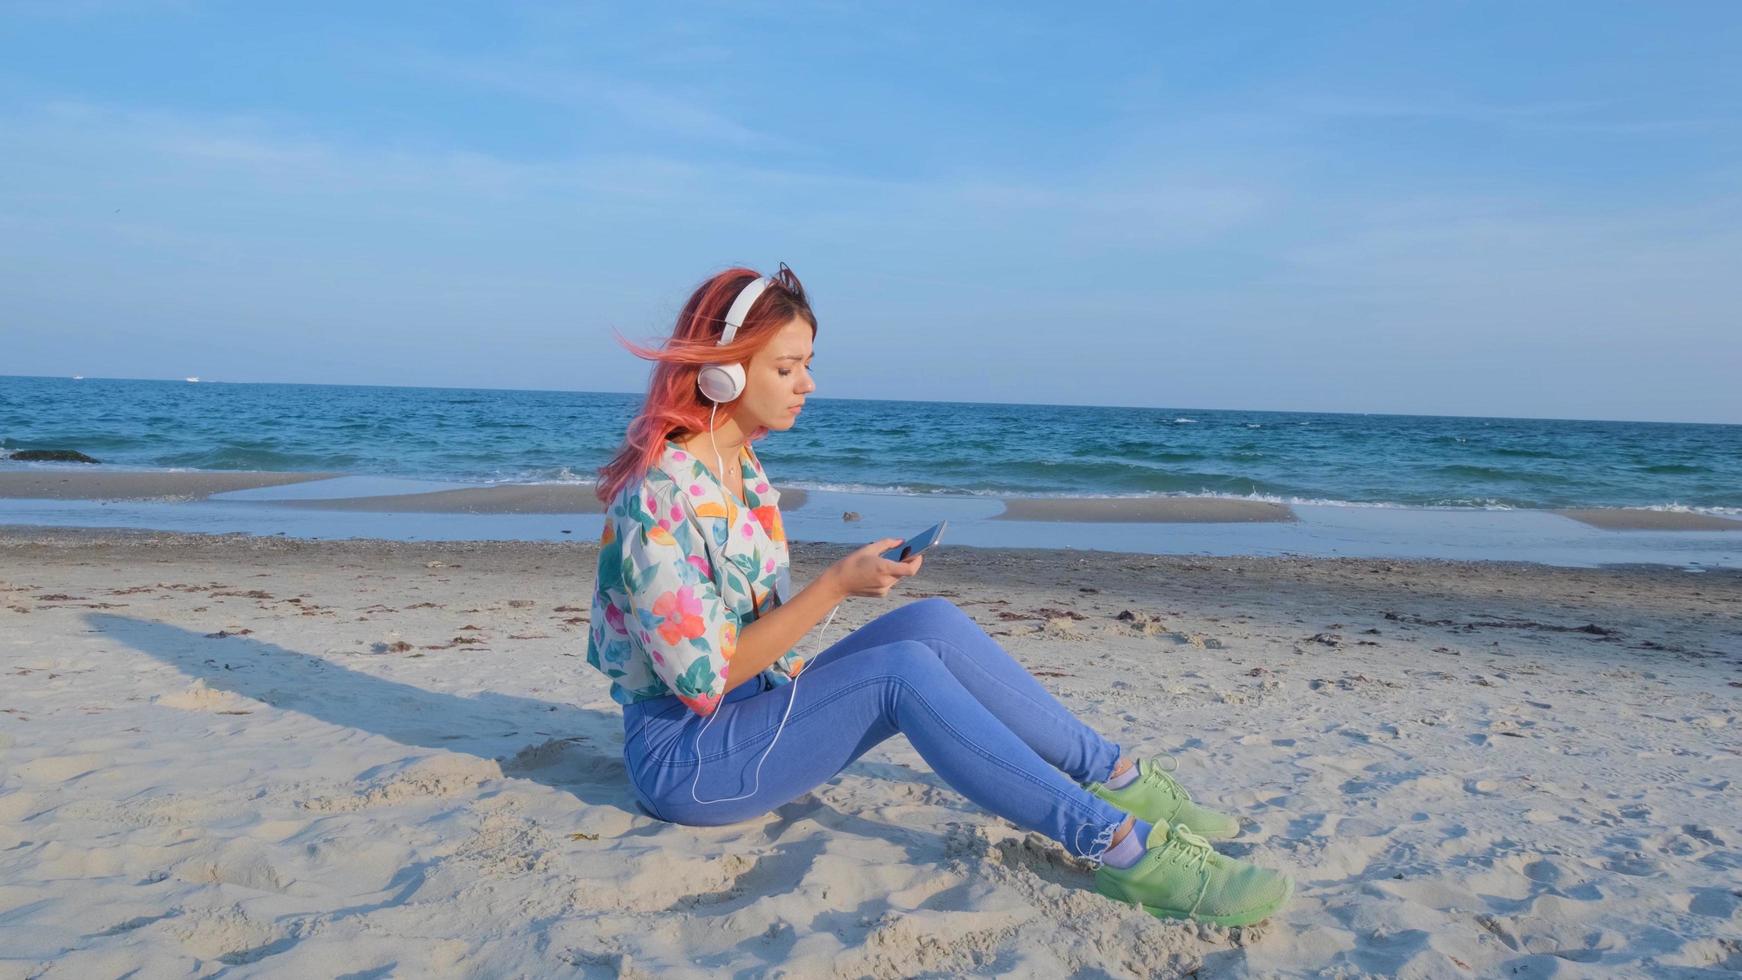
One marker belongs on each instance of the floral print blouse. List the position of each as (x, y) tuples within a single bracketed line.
[(683, 567)]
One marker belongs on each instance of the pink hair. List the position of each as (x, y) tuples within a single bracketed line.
[(674, 403)]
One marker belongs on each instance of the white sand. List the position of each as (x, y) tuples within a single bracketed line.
[(1518, 771)]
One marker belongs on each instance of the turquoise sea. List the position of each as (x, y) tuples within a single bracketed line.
[(895, 447)]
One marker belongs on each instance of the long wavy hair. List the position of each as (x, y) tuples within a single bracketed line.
[(674, 401)]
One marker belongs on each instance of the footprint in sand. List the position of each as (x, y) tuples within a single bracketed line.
[(199, 697), (229, 935), (243, 863), (1635, 864), (672, 881), (1718, 903), (430, 777)]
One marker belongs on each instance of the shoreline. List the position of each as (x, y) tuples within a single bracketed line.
[(969, 560), (1144, 510), (308, 491), (320, 507)]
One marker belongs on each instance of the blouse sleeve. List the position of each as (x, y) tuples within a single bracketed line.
[(681, 618)]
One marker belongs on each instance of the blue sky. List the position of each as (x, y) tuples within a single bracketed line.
[(1462, 208)]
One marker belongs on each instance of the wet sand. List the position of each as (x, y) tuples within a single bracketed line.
[(1633, 519), (98, 484), (1143, 510)]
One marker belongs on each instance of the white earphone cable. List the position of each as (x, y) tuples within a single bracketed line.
[(792, 693)]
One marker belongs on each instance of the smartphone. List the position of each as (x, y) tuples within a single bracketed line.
[(918, 543)]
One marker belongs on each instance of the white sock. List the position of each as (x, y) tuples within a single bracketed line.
[(1122, 780)]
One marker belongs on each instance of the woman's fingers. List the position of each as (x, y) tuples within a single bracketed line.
[(876, 574), (903, 568)]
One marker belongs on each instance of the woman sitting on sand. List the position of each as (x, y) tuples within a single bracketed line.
[(695, 622)]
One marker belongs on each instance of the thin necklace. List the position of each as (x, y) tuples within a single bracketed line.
[(720, 477)]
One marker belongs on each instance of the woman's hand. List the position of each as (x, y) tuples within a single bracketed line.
[(867, 573)]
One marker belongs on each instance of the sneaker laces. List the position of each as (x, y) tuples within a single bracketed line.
[(1195, 850), (1155, 774)]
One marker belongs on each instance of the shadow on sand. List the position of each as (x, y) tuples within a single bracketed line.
[(575, 750), (487, 725)]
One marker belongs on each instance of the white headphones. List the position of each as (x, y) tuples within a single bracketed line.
[(725, 382)]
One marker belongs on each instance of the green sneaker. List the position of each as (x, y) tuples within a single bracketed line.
[(1182, 877), (1155, 797)]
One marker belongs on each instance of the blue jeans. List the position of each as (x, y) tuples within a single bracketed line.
[(926, 670)]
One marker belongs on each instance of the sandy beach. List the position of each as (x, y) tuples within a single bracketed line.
[(250, 756)]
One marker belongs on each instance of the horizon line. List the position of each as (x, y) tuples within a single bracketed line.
[(921, 401)]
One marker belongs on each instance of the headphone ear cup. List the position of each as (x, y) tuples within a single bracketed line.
[(721, 382)]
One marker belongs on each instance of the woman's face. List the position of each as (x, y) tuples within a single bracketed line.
[(777, 379)]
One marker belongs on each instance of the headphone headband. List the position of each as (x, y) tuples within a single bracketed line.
[(747, 298)]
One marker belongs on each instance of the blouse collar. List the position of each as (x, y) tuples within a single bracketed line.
[(683, 466)]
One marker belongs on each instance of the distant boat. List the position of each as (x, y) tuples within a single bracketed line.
[(193, 380), (78, 377)]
